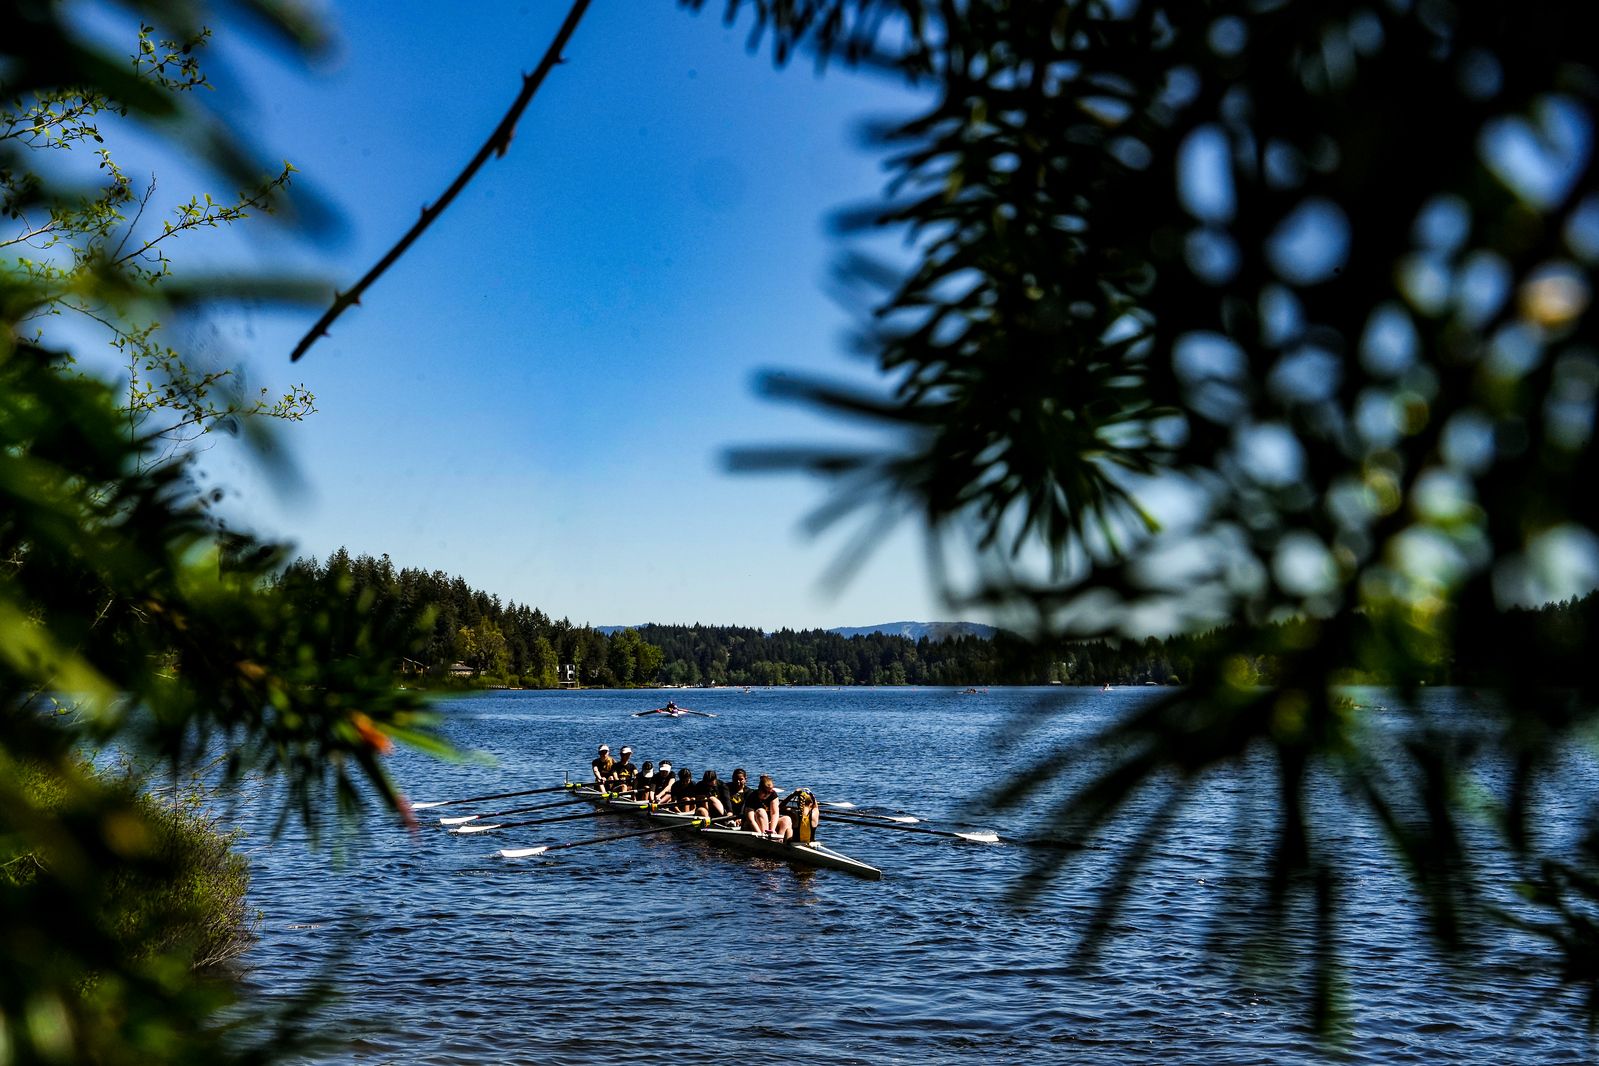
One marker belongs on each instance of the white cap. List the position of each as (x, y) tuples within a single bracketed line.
[(664, 766), (626, 750), (605, 747)]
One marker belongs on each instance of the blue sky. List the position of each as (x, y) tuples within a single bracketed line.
[(539, 397)]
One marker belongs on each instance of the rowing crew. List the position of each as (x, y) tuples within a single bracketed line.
[(760, 810)]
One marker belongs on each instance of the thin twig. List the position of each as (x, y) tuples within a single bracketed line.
[(143, 203), (260, 199), (30, 235), (497, 145)]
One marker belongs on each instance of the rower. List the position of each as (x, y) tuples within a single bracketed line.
[(685, 793), (712, 795), (738, 795), (644, 783), (760, 810), (622, 773), (662, 784), (603, 764)]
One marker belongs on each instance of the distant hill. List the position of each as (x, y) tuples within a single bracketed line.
[(934, 631), (914, 631)]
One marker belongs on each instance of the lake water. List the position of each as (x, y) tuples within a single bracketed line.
[(652, 948)]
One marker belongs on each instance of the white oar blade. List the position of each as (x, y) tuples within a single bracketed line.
[(980, 838), (464, 829), (462, 820), (521, 853), (429, 803)]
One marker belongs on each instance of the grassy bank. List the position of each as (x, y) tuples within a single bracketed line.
[(183, 901)]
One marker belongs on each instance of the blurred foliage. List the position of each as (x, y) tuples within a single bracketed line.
[(64, 246), (1242, 312), (202, 913), (128, 621)]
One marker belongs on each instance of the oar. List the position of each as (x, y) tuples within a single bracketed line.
[(517, 825), (497, 796), (846, 805), (522, 853), (461, 819), (976, 838), (465, 829)]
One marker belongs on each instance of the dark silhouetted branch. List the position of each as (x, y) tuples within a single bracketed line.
[(497, 145)]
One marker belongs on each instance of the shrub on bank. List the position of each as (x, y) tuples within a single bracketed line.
[(186, 897)]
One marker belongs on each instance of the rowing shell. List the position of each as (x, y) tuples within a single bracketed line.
[(812, 854)]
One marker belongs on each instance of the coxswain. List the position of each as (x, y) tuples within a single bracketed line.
[(761, 813), (602, 764), (800, 815)]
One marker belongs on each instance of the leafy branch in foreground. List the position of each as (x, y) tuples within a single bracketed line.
[(63, 246), (117, 597), (126, 620), (1324, 274)]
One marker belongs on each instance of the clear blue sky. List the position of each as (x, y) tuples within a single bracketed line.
[(539, 397)]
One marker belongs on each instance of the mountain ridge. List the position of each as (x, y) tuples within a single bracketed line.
[(916, 631), (912, 631)]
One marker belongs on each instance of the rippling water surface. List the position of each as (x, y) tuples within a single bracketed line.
[(653, 949)]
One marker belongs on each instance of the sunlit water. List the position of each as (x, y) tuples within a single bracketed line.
[(653, 949)]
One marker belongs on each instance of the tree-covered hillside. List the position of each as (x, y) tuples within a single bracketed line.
[(432, 621)]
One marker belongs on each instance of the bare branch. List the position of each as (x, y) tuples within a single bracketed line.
[(41, 231), (143, 203), (497, 145)]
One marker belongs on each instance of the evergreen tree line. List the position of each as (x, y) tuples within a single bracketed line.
[(433, 622)]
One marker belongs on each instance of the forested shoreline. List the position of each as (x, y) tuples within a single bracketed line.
[(433, 624)]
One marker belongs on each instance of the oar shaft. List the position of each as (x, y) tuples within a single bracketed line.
[(517, 852), (479, 828), (485, 799), (536, 807), (555, 818), (850, 820), (697, 823)]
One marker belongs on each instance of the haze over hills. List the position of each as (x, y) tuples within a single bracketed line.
[(913, 631), (934, 631)]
